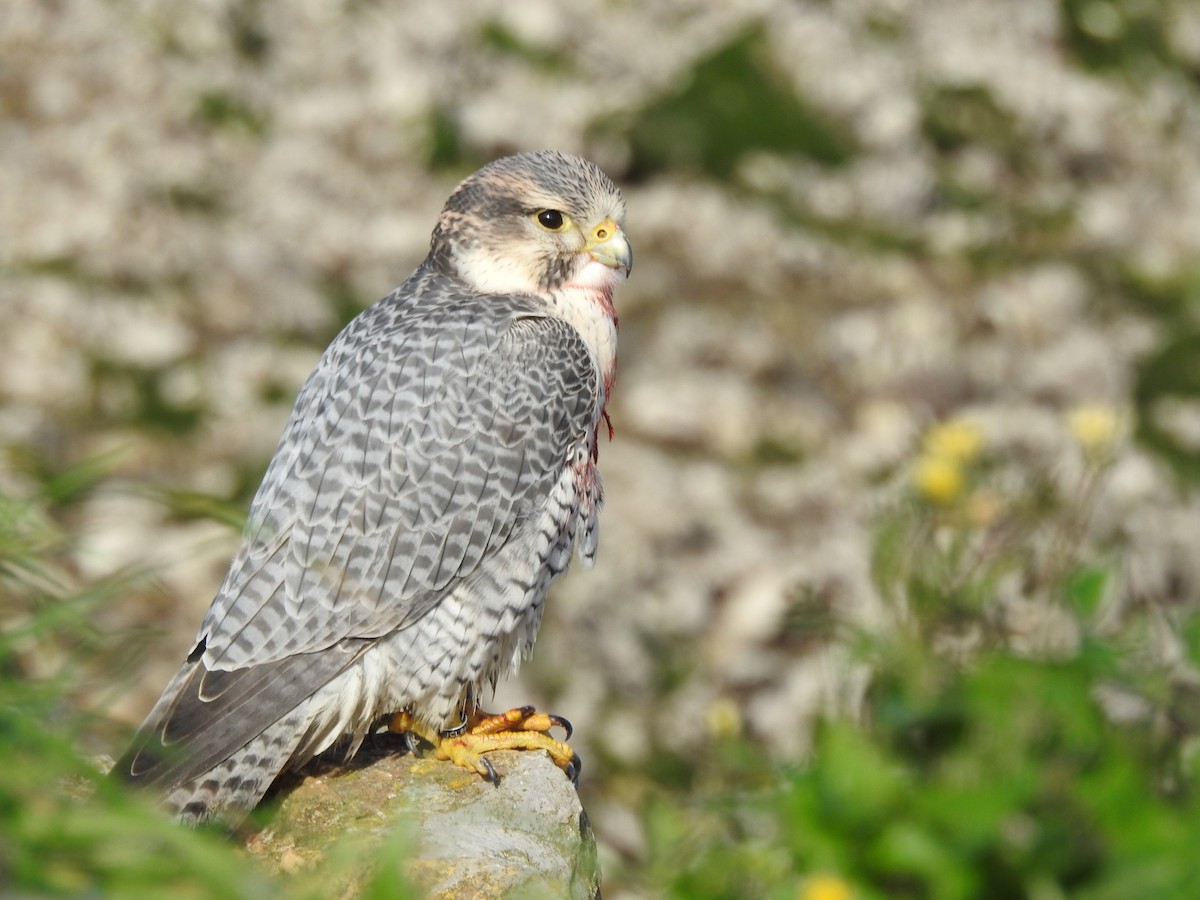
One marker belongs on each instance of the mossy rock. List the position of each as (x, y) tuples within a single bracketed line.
[(458, 835)]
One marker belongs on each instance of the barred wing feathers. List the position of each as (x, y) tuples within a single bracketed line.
[(434, 425)]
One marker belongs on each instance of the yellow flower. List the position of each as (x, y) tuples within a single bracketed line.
[(938, 479), (956, 440), (724, 718), (825, 887), (1096, 427)]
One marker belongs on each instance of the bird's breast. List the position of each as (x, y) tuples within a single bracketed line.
[(589, 309)]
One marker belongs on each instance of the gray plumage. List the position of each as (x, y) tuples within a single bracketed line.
[(434, 475)]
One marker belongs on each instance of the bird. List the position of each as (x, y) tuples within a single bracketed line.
[(438, 471)]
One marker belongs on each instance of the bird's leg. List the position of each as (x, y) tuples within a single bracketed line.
[(523, 728)]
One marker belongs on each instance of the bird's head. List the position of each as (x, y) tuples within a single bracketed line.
[(531, 224)]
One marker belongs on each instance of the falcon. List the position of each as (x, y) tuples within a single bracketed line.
[(435, 476)]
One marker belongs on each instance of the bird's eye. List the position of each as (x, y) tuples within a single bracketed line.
[(551, 219)]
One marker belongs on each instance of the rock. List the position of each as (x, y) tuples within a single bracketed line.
[(463, 837)]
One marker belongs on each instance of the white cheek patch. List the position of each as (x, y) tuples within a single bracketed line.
[(489, 273)]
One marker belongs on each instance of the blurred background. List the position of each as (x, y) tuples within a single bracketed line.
[(907, 418)]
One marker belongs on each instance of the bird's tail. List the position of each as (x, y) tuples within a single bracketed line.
[(233, 787), (230, 784)]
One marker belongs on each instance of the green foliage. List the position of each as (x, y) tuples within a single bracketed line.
[(65, 829), (957, 116), (223, 110), (57, 488), (45, 613), (1117, 35), (979, 772), (140, 395), (499, 39), (1167, 378), (68, 831), (343, 300), (445, 141), (733, 104), (194, 505), (1001, 779), (1170, 376), (247, 30)]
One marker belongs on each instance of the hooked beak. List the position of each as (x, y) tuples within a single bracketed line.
[(608, 246)]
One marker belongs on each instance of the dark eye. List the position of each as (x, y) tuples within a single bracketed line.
[(551, 219)]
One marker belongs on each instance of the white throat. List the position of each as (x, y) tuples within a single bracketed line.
[(586, 303)]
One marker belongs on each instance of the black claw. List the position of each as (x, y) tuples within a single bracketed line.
[(526, 711), (563, 724), (574, 767), (491, 771)]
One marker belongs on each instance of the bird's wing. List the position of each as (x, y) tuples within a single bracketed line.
[(203, 716), (415, 449)]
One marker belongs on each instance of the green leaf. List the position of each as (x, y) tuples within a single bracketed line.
[(1086, 588)]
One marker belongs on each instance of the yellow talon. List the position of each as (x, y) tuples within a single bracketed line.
[(517, 729)]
